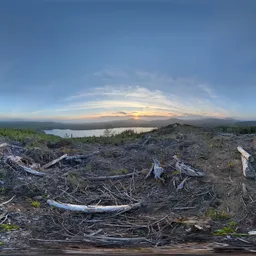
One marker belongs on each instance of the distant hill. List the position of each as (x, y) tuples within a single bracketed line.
[(246, 123), (204, 122)]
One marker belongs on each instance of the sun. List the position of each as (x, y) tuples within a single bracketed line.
[(136, 116)]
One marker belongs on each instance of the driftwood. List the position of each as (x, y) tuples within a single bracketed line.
[(187, 169), (245, 154), (17, 160), (81, 156), (53, 162), (113, 177), (93, 208)]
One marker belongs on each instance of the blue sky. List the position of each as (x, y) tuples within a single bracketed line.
[(107, 60)]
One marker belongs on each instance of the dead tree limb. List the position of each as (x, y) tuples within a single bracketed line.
[(54, 162), (245, 154), (17, 161), (113, 177), (81, 156), (6, 202), (9, 145), (93, 208), (108, 239)]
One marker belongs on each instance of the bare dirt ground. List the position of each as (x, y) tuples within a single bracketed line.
[(216, 209)]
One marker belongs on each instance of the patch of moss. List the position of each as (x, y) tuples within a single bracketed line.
[(35, 204), (8, 227), (230, 229), (224, 231), (216, 215)]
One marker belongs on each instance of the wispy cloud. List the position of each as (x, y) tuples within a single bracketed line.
[(208, 90), (145, 95)]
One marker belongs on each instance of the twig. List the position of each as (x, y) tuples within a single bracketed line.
[(6, 202), (184, 208), (116, 239), (113, 177), (54, 162), (93, 208)]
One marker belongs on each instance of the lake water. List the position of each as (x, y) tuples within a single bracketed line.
[(97, 133)]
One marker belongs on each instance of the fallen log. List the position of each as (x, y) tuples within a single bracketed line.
[(93, 208), (54, 162), (81, 156), (245, 154), (248, 170)]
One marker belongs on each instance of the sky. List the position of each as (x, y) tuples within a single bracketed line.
[(92, 60)]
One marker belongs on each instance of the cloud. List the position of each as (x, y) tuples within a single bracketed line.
[(208, 90), (145, 95)]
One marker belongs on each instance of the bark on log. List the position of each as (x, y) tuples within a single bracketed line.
[(93, 208), (245, 154), (54, 162)]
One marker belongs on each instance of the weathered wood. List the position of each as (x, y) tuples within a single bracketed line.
[(93, 208), (3, 145), (81, 156), (248, 170), (6, 202), (245, 154), (17, 160), (156, 169), (113, 177), (9, 145), (54, 162), (188, 170)]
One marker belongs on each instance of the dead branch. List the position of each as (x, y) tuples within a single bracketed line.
[(54, 162), (17, 160), (93, 208), (113, 177), (9, 145), (245, 154), (3, 145), (116, 239), (81, 156), (187, 169), (6, 202)]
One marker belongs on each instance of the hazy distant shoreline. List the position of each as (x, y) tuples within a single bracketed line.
[(41, 126)]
